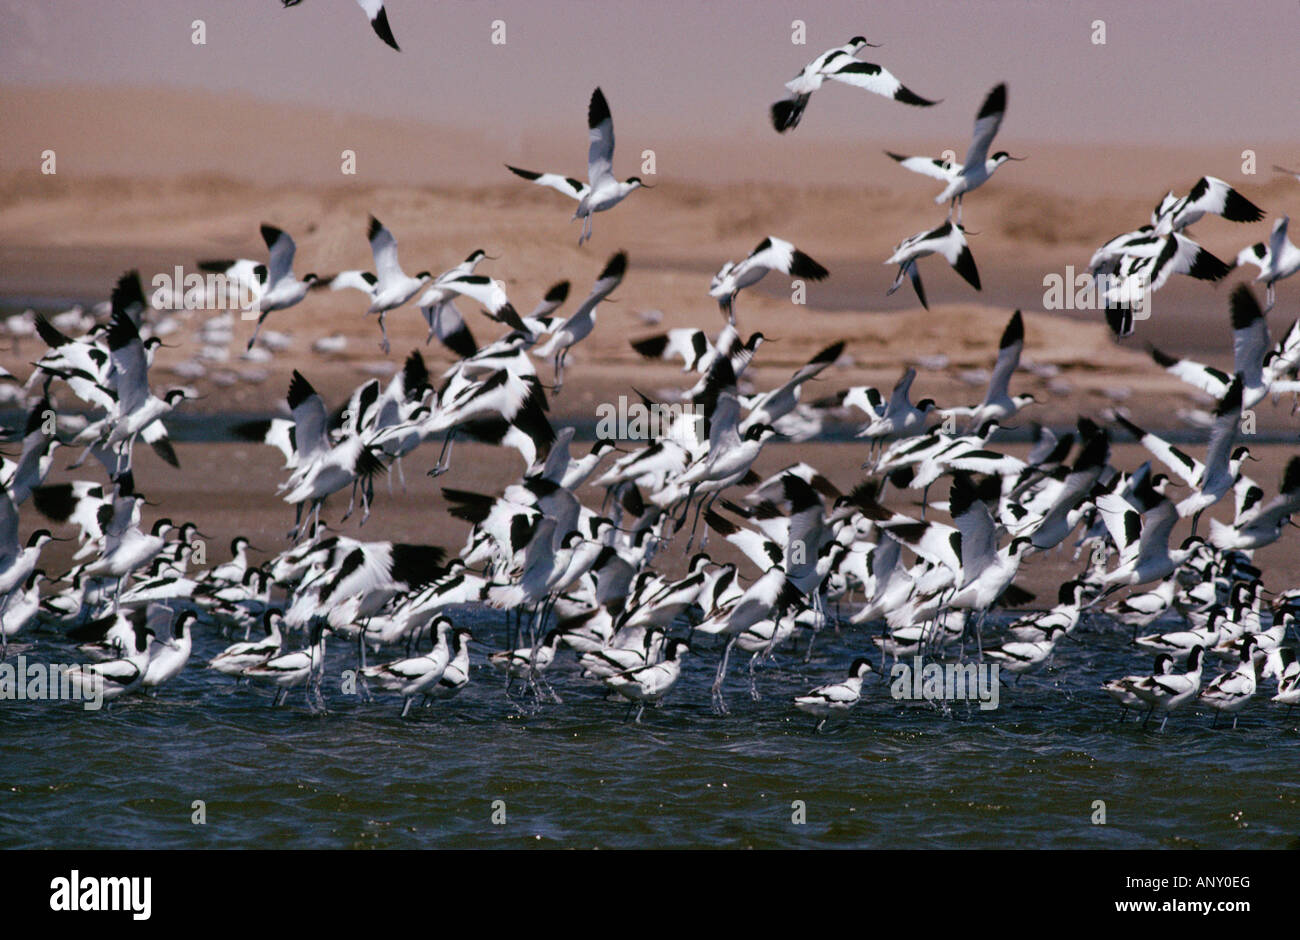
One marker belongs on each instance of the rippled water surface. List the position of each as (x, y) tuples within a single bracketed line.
[(576, 775)]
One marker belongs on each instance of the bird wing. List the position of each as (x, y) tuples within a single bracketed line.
[(1277, 238), (600, 133), (486, 291), (1009, 349), (944, 170), (874, 78), (987, 123), (282, 248), (1196, 374), (309, 419), (1188, 469), (130, 371), (383, 246), (1227, 418), (609, 278), (574, 189), (1213, 195)]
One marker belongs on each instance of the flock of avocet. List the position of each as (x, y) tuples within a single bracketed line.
[(580, 578)]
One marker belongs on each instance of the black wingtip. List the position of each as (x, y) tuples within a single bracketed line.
[(1237, 208), (299, 390), (526, 174), (652, 347), (801, 265), (48, 333), (617, 265), (1245, 308), (128, 292), (383, 30), (558, 293), (905, 95), (163, 448), (1208, 267), (965, 266), (122, 331), (368, 465), (1291, 476), (597, 110), (1163, 359), (270, 233), (995, 103), (1014, 333), (1129, 426), (375, 227), (415, 374), (829, 354)]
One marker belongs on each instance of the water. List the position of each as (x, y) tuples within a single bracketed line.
[(890, 775)]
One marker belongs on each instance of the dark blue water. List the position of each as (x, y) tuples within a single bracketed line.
[(577, 775)]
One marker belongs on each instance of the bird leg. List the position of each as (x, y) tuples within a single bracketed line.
[(720, 706)]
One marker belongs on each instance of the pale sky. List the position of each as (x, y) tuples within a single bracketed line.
[(1171, 71)]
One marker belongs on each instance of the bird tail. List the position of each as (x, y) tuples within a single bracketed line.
[(786, 113)]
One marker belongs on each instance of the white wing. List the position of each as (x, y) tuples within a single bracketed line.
[(600, 131), (574, 189), (987, 123)]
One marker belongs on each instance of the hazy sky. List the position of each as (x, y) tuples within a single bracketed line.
[(1170, 72)]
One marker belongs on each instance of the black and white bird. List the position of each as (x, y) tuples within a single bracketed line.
[(1233, 690), (839, 64), (1169, 692), (1122, 690), (771, 254), (1258, 523), (837, 698), (1276, 260), (290, 670), (567, 333), (170, 649), (234, 659), (323, 468), (1250, 349), (375, 12), (647, 685), (417, 675), (456, 676), (948, 240), (999, 404), (389, 287), (281, 289), (114, 678), (137, 412), (438, 306), (962, 178), (601, 191)]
